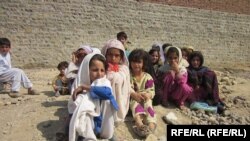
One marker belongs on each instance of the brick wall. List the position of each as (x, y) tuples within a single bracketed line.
[(231, 6), (44, 32)]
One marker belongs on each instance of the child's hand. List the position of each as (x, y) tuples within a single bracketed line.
[(64, 79), (146, 96), (138, 97), (85, 87), (55, 87), (79, 90), (175, 67), (76, 92)]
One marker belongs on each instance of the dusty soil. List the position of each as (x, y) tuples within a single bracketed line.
[(39, 117)]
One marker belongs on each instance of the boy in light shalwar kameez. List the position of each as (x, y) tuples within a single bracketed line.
[(15, 76)]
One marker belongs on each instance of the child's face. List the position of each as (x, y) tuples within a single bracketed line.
[(196, 62), (154, 57), (80, 54), (4, 49), (113, 56), (172, 58), (62, 70), (184, 55), (96, 70), (123, 40), (137, 66)]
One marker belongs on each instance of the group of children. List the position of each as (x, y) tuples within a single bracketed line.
[(105, 84), (183, 80)]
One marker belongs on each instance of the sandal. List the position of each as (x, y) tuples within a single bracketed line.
[(142, 131), (33, 92)]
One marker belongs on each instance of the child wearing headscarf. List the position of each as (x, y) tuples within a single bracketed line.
[(92, 102), (204, 83), (118, 74), (77, 57), (155, 59), (158, 46), (174, 72)]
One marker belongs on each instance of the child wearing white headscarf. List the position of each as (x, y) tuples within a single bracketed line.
[(174, 72), (93, 108), (118, 74), (74, 65)]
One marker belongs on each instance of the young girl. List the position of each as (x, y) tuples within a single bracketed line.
[(118, 74), (158, 46), (186, 51), (204, 83), (155, 59), (141, 99), (77, 57), (175, 85), (93, 103)]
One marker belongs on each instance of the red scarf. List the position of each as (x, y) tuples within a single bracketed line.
[(113, 67)]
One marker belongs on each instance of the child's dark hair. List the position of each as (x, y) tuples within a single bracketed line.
[(101, 58), (121, 34), (4, 41), (166, 45), (196, 54), (139, 54), (63, 64), (171, 50), (151, 51)]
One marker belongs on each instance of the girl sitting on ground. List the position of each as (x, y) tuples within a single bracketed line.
[(174, 72), (144, 91), (118, 74), (155, 59), (204, 83)]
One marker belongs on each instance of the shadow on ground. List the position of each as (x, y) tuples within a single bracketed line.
[(50, 127)]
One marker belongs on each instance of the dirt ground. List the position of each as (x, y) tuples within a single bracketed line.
[(40, 117)]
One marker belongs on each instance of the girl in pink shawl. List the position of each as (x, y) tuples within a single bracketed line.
[(118, 74), (175, 85)]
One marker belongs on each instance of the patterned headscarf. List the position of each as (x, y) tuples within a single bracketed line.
[(86, 48), (114, 43)]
